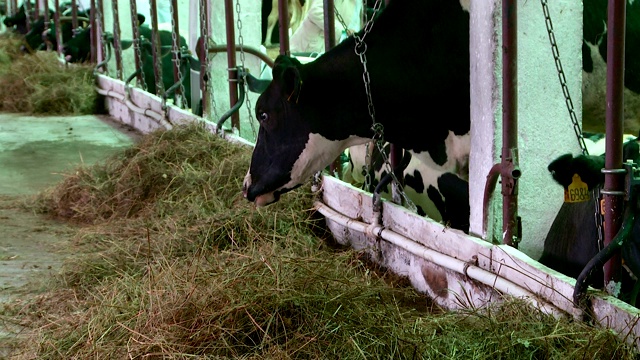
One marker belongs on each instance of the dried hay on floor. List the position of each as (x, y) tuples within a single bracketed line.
[(175, 264), (39, 84), (9, 51)]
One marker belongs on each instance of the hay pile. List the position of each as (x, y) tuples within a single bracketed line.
[(173, 263), (39, 84)]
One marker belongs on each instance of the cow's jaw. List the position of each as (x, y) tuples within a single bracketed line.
[(317, 154)]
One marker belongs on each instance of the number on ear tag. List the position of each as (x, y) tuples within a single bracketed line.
[(578, 191)]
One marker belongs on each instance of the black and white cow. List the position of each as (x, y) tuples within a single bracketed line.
[(572, 240), (17, 22), (303, 127), (441, 195)]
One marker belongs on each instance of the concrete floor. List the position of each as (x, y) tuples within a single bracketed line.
[(35, 151)]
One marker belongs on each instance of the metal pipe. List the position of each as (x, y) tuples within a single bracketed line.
[(613, 153), (58, 32), (205, 30), (116, 38), (27, 13), (46, 18), (93, 32), (155, 47), (329, 25), (461, 267), (248, 49), (135, 28), (231, 61), (175, 45), (511, 235), (283, 26), (74, 14)]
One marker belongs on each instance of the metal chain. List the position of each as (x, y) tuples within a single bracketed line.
[(177, 59), (117, 33), (157, 51), (204, 35), (562, 78), (572, 115), (378, 128), (99, 30), (137, 40), (244, 72)]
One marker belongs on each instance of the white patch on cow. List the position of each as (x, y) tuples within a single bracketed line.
[(317, 154), (458, 148)]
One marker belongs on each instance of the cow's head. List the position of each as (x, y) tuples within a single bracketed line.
[(292, 144)]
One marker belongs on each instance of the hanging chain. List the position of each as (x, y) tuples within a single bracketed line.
[(572, 115), (99, 30), (562, 77), (180, 98), (378, 128), (137, 40), (117, 33), (244, 70), (204, 35)]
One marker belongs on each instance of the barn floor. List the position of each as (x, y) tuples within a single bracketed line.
[(35, 152)]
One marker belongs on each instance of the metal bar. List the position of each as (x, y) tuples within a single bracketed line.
[(231, 61), (175, 45), (100, 45), (93, 32), (613, 158), (45, 14), (509, 122), (135, 28), (155, 46), (329, 25), (36, 10), (58, 33), (248, 49), (27, 13), (116, 38), (205, 30), (74, 14), (283, 26)]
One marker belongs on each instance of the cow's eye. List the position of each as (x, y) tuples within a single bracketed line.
[(263, 117)]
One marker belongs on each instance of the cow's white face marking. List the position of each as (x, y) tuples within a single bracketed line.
[(318, 153)]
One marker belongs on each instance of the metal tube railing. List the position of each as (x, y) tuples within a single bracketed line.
[(231, 61), (613, 178), (510, 171)]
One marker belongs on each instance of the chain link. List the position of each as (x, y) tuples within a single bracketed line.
[(137, 40), (177, 57), (116, 35), (204, 35), (244, 72), (378, 128), (157, 50), (100, 30), (572, 115), (563, 78)]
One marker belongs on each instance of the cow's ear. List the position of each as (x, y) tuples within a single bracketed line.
[(292, 83)]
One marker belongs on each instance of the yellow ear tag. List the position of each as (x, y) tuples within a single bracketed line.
[(578, 191)]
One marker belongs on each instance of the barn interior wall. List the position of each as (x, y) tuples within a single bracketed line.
[(250, 19), (545, 130)]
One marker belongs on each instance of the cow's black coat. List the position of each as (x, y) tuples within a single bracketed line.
[(418, 61)]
